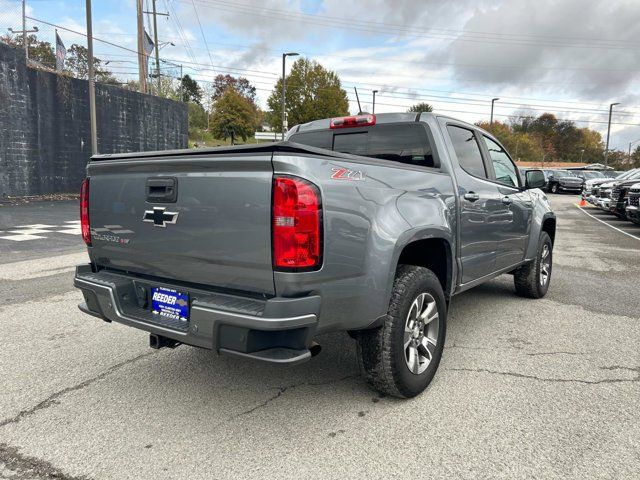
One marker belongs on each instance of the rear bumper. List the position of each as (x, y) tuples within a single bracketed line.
[(277, 330)]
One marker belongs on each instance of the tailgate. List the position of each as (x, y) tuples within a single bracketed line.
[(214, 229)]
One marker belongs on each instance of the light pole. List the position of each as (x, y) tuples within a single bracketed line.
[(92, 87), (24, 30), (374, 101), (284, 88), (606, 149), (581, 154), (492, 102)]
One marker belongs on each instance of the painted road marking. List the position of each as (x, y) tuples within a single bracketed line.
[(36, 231), (608, 225)]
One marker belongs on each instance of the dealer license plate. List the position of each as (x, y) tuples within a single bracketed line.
[(170, 303)]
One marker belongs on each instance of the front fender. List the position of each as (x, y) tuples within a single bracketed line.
[(541, 212)]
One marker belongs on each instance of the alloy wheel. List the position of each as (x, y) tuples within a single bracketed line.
[(421, 333), (545, 264)]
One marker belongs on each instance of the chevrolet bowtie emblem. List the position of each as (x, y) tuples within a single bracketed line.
[(159, 217)]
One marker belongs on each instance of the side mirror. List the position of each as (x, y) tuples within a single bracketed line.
[(534, 179)]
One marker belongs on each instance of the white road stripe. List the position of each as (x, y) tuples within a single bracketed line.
[(42, 267), (608, 225)]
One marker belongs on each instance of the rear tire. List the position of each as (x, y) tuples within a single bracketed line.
[(401, 357), (532, 280)]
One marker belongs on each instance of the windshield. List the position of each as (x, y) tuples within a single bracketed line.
[(563, 173), (627, 174), (593, 175)]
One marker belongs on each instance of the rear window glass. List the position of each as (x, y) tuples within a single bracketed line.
[(406, 143)]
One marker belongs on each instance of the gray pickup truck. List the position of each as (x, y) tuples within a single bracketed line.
[(367, 224)]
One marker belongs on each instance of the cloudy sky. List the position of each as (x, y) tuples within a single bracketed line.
[(569, 57)]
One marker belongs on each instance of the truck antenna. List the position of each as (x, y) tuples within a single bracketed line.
[(358, 99)]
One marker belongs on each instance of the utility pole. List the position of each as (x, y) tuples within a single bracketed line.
[(155, 40), (24, 31), (142, 60), (374, 101), (284, 90), (92, 87), (492, 102), (606, 150)]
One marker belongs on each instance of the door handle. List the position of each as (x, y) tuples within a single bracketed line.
[(471, 196), (507, 201)]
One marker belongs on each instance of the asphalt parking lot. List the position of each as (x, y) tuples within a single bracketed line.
[(526, 389)]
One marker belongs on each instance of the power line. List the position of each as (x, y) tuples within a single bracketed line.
[(388, 29), (202, 31), (412, 96), (180, 30)]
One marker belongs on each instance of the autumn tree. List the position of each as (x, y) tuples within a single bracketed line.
[(240, 84), (313, 92), (420, 107)]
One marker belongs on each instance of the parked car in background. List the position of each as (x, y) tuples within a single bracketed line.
[(619, 196), (633, 204), (602, 192), (589, 175), (563, 181)]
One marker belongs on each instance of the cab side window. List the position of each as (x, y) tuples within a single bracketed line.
[(506, 171), (467, 150)]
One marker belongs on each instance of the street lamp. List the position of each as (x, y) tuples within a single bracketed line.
[(581, 154), (492, 102), (606, 150), (374, 101), (164, 44), (284, 88)]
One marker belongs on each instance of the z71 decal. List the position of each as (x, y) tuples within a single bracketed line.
[(346, 174)]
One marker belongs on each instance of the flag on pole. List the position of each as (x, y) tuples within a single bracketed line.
[(61, 53), (148, 49)]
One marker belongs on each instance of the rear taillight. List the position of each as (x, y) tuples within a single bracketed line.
[(84, 212), (353, 121), (297, 224)]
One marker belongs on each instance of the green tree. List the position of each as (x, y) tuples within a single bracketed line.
[(40, 51), (635, 158), (77, 63), (233, 116), (191, 91), (420, 107), (313, 92), (197, 116)]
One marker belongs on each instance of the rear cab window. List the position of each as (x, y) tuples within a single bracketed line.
[(406, 143)]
